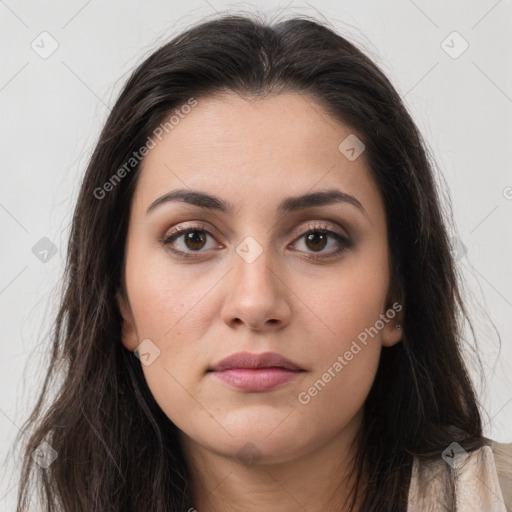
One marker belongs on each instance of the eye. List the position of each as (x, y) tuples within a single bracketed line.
[(194, 239), (316, 238), (184, 241)]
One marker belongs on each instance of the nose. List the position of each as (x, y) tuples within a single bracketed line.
[(256, 294)]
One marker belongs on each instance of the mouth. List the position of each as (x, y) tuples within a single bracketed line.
[(256, 372)]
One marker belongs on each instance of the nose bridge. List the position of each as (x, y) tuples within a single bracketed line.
[(256, 292), (253, 264)]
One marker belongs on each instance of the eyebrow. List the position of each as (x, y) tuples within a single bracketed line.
[(288, 205)]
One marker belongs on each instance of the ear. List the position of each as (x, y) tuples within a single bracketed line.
[(395, 315), (129, 335), (390, 334)]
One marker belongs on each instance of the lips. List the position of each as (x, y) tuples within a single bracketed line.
[(248, 360), (256, 372)]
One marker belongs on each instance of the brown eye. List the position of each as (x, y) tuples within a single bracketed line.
[(316, 241), (185, 241), (194, 240), (317, 238)]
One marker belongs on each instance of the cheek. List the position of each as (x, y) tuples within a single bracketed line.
[(347, 307), (346, 364), (165, 296), (169, 308), (173, 321), (334, 400), (343, 380), (347, 350)]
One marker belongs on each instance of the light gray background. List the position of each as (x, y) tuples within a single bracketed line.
[(53, 109)]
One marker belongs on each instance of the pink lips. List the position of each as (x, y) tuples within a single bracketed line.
[(256, 372)]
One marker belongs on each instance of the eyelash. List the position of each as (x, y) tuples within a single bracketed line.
[(167, 238)]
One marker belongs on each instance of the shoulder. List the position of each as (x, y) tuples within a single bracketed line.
[(503, 461)]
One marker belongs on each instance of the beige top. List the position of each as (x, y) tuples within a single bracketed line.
[(483, 481)]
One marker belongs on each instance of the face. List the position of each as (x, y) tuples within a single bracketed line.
[(258, 270)]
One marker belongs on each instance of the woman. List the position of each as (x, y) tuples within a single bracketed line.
[(261, 308)]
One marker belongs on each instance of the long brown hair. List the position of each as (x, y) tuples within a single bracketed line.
[(117, 451)]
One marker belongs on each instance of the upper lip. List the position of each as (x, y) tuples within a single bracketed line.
[(251, 361)]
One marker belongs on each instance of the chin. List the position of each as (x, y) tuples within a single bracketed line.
[(256, 448)]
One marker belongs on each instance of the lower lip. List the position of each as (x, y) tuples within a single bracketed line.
[(255, 380)]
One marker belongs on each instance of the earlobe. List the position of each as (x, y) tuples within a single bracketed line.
[(129, 336), (392, 333), (393, 330)]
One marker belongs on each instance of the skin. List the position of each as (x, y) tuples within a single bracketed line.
[(254, 153)]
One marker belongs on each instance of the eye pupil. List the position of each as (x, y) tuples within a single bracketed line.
[(313, 236), (195, 237)]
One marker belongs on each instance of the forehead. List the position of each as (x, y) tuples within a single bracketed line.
[(255, 150)]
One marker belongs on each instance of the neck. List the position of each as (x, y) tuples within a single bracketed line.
[(319, 480)]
